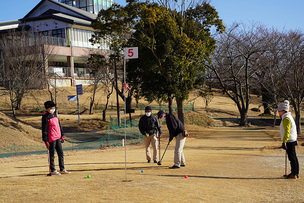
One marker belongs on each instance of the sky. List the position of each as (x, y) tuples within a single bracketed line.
[(280, 14)]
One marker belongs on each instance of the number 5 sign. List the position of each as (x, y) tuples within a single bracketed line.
[(131, 53)]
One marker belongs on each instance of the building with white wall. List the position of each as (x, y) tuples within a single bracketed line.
[(65, 25)]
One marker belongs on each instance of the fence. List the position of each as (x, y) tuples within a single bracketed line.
[(112, 137)]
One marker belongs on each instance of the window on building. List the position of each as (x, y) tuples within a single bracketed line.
[(58, 33)]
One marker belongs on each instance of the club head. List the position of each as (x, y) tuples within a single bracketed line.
[(49, 174), (159, 163)]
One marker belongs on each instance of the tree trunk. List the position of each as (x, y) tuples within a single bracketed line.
[(91, 105), (298, 120), (93, 97), (107, 104), (244, 118), (19, 96), (266, 98), (117, 96), (13, 108), (170, 103), (180, 110)]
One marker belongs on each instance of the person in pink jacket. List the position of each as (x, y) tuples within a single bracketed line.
[(52, 135)]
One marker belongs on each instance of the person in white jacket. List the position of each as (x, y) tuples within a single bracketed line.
[(288, 132)]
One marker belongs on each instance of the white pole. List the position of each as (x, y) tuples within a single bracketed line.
[(125, 118)]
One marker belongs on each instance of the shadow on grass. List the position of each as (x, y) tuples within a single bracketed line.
[(91, 170), (223, 177)]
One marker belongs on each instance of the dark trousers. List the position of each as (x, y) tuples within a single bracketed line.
[(56, 145), (292, 156)]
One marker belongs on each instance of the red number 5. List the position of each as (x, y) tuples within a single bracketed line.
[(130, 52)]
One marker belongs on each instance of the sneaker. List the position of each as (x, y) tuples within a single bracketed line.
[(55, 173), (155, 161), (183, 165), (65, 172), (149, 161), (174, 167), (291, 176)]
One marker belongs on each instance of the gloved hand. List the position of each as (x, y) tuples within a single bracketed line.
[(284, 146), (62, 139), (47, 144)]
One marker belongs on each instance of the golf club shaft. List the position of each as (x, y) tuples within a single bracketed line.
[(159, 147), (164, 152)]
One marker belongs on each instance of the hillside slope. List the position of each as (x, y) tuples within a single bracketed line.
[(13, 132)]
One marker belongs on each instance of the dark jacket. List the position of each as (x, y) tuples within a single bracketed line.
[(51, 128), (175, 126), (149, 125)]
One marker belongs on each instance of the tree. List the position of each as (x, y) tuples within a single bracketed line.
[(282, 70), (174, 48), (233, 64), (23, 57), (114, 26)]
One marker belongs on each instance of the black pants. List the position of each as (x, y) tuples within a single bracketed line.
[(292, 156), (56, 145)]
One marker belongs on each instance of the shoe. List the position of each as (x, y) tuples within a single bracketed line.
[(298, 176), (174, 167), (155, 161), (149, 161), (65, 172), (183, 165), (55, 173), (291, 176)]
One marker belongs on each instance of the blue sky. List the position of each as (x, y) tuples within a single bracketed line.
[(280, 14)]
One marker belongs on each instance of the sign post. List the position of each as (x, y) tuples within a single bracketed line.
[(79, 92), (130, 53)]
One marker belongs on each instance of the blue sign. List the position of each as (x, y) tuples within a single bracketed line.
[(79, 89), (72, 98)]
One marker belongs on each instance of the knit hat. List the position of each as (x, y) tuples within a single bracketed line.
[(160, 113), (284, 106), (49, 104), (148, 108)]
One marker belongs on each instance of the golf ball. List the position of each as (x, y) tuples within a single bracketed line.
[(186, 176), (142, 171), (88, 176)]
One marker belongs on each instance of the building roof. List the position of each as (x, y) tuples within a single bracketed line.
[(78, 12)]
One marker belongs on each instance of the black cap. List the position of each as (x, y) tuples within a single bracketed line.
[(148, 108), (160, 113), (49, 104)]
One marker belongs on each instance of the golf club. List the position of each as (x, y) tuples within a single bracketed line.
[(49, 174), (159, 146), (159, 163)]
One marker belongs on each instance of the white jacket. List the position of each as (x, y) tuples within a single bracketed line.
[(293, 130)]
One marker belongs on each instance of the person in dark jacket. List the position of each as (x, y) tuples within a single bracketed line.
[(148, 126), (176, 129), (52, 135)]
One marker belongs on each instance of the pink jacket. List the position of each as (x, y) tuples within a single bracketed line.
[(51, 128)]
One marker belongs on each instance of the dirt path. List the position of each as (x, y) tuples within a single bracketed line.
[(223, 165)]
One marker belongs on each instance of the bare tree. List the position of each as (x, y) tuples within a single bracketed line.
[(267, 64), (292, 71), (100, 69), (233, 64), (23, 57), (282, 69)]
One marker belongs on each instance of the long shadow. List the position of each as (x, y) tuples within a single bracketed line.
[(226, 148), (222, 177), (89, 170)]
